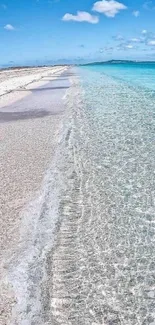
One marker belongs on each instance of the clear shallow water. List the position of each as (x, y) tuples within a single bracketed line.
[(103, 269), (138, 74), (89, 257)]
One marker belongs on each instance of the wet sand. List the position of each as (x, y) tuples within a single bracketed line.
[(29, 134)]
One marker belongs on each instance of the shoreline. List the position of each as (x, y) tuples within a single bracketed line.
[(34, 67), (28, 147)]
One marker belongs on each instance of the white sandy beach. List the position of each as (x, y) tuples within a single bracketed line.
[(26, 149), (12, 80)]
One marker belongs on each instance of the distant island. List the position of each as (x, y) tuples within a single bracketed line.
[(117, 62)]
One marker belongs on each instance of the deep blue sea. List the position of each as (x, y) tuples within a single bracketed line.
[(107, 239)]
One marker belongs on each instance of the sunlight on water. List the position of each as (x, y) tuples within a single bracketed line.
[(103, 265)]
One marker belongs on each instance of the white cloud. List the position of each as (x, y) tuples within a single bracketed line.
[(136, 13), (109, 48), (129, 46), (9, 27), (135, 40), (152, 42), (125, 46), (81, 16), (108, 8), (144, 31), (118, 37)]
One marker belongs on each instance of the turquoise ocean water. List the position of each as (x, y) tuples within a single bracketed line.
[(96, 215), (107, 238), (119, 119), (137, 74)]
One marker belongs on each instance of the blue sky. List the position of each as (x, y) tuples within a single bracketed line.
[(40, 31)]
